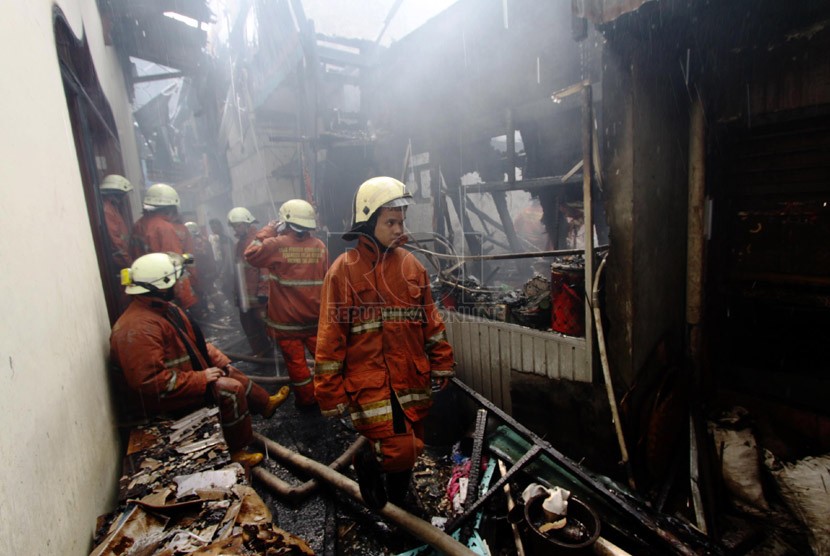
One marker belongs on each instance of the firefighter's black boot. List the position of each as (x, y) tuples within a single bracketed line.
[(370, 478), (397, 486)]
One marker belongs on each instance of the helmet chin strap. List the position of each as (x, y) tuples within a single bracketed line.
[(166, 295)]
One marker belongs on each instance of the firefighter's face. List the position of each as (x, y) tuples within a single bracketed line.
[(240, 229), (389, 230)]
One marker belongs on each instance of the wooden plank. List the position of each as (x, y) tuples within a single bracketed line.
[(449, 325), (582, 366), (540, 366), (566, 361), (527, 353), (464, 350), (506, 368), (516, 350), (552, 349), (475, 355), (486, 357), (494, 364), (496, 368)]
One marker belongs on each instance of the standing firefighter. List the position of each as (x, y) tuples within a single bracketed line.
[(251, 285), (166, 366), (205, 263), (114, 189), (155, 232), (381, 342), (296, 263)]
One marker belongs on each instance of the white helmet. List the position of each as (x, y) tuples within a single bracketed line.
[(154, 271), (238, 215), (299, 213), (192, 227), (114, 182), (373, 194), (161, 195)]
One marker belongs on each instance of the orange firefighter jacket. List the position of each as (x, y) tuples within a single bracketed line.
[(296, 267), (154, 368), (380, 333), (119, 234), (256, 279), (153, 233), (188, 246)]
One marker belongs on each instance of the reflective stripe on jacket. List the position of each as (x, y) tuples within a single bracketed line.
[(154, 363), (296, 267), (379, 331)]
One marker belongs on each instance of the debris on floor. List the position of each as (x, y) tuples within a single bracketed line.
[(179, 494)]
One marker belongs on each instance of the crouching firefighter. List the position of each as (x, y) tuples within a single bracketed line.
[(381, 343), (165, 365)]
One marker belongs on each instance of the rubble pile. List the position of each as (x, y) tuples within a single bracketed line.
[(180, 495)]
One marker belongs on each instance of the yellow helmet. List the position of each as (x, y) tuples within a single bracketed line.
[(161, 195), (114, 182), (374, 194), (240, 214), (151, 272), (299, 213)]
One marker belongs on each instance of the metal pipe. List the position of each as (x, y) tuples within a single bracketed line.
[(500, 256), (296, 493), (419, 528)]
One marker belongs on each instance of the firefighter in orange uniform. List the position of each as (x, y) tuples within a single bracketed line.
[(113, 190), (382, 344), (296, 263), (204, 261), (155, 232), (252, 301), (166, 366)]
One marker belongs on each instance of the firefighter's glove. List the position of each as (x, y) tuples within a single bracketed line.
[(439, 384), (346, 423), (344, 417), (276, 225)]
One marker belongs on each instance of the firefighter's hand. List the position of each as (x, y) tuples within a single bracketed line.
[(213, 374), (439, 384), (346, 423)]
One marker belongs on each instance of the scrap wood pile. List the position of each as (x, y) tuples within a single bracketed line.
[(180, 494)]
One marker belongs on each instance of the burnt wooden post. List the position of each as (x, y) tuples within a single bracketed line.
[(499, 198)]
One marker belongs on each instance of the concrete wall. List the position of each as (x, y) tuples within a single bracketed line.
[(59, 449), (645, 139)]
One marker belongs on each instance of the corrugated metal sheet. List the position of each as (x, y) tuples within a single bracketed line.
[(487, 351)]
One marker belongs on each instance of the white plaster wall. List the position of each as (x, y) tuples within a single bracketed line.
[(59, 450)]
